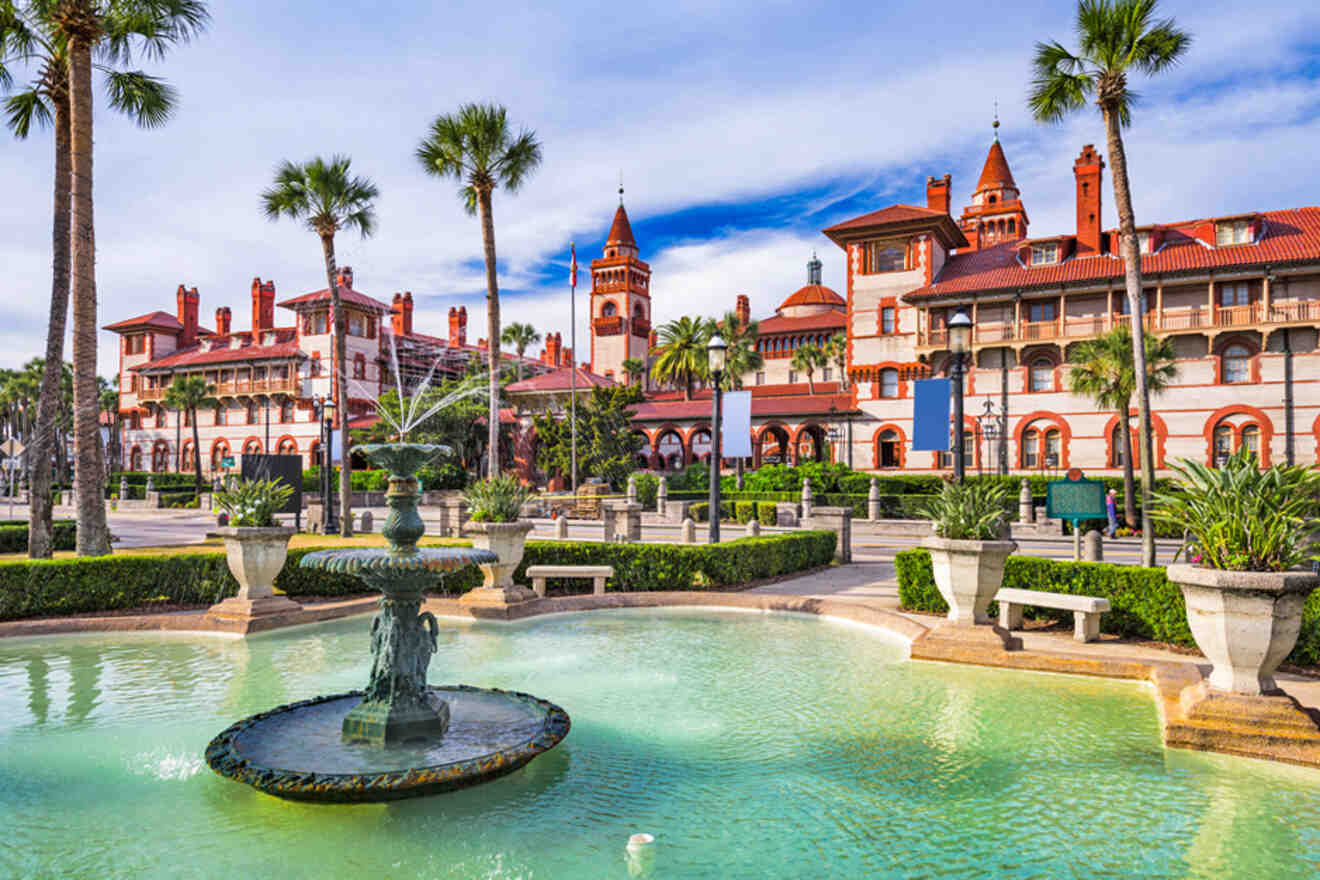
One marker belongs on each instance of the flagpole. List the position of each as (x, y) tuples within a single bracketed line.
[(572, 367)]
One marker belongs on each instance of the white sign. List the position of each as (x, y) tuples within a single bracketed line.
[(11, 447), (736, 425)]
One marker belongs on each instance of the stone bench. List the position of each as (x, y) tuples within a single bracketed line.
[(1086, 610), (596, 573)]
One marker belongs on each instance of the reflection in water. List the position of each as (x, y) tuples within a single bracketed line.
[(38, 677), (84, 676)]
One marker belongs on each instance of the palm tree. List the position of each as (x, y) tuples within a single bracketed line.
[(1116, 37), (476, 147), (185, 394), (328, 198), (836, 353), (680, 355), (59, 40), (521, 337), (806, 358), (109, 396), (1103, 371), (742, 357), (634, 369)]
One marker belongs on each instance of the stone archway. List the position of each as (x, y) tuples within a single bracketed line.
[(810, 445), (670, 451), (773, 446), (160, 456)]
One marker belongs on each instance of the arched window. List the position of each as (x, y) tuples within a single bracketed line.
[(315, 368), (1042, 375), (252, 447), (1030, 448), (1012, 226), (252, 412), (1053, 448), (187, 461), (286, 411), (1223, 443), (1237, 363), (359, 366), (1251, 440), (219, 452), (288, 446), (888, 449), (994, 199), (135, 459), (889, 382), (638, 311), (609, 310), (221, 414), (1116, 451)]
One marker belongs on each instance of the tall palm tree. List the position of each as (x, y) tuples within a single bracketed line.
[(59, 40), (109, 397), (634, 369), (836, 353), (1102, 369), (680, 356), (1116, 37), (521, 337), (327, 197), (742, 357), (184, 395), (476, 147), (806, 358)]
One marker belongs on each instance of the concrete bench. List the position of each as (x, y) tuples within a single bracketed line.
[(1086, 610), (596, 573)]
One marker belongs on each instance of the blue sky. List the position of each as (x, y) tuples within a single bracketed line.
[(741, 130)]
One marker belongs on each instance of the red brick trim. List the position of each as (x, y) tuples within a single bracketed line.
[(970, 426), (1065, 439), (1237, 339), (1255, 416), (289, 437), (902, 445), (1157, 425)]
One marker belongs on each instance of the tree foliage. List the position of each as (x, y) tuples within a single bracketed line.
[(607, 447)]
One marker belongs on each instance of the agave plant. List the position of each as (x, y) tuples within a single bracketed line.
[(253, 502), (496, 499), (968, 511), (1243, 517)]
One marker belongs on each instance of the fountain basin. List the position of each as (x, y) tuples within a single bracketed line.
[(295, 751)]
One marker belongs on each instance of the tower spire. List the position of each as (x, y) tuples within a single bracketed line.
[(620, 187), (996, 126)]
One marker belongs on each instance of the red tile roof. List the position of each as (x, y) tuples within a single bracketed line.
[(217, 351), (892, 214), (823, 321), (1288, 236), (621, 230), (164, 320), (791, 405), (995, 174), (559, 381), (813, 295), (346, 294)]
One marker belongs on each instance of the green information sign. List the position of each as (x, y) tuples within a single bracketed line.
[(227, 461), (1075, 498)]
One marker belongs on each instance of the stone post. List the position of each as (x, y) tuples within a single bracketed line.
[(754, 529), (786, 515), (608, 517), (839, 521), (632, 489), (123, 488), (688, 532), (806, 499), (561, 528), (457, 511), (628, 521), (1094, 548), (1025, 510), (151, 484), (661, 496), (873, 501), (368, 522)]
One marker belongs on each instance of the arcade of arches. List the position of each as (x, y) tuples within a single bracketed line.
[(671, 448)]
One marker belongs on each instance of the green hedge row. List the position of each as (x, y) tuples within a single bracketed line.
[(1145, 604), (14, 535), (109, 583)]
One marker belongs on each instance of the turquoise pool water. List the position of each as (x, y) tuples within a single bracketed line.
[(749, 745)]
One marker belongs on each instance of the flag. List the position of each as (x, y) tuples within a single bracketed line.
[(572, 275)]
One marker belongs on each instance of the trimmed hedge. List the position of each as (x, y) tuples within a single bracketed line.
[(110, 583), (1145, 604), (765, 512), (14, 535)]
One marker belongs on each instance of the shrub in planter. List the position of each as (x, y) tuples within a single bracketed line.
[(766, 513), (496, 499), (966, 555)]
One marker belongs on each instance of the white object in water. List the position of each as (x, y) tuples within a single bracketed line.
[(640, 841)]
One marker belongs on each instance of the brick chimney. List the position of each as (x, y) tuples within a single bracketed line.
[(1087, 169), (462, 325), (937, 193), (345, 276), (263, 306), (406, 309), (457, 326), (744, 310), (552, 349), (222, 320), (453, 326), (566, 357), (189, 301), (396, 314)]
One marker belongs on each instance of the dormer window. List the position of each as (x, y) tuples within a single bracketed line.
[(1043, 254), (1233, 232), (884, 256)]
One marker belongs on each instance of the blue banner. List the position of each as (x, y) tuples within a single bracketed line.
[(930, 414)]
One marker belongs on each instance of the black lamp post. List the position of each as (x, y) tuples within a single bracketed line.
[(960, 340), (716, 350), (322, 406)]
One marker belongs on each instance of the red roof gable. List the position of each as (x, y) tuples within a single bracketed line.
[(346, 294), (559, 380), (1288, 236), (795, 404), (892, 214), (823, 321), (162, 320), (211, 352)]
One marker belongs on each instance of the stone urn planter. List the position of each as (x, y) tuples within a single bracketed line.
[(1245, 622), (506, 541), (968, 574), (255, 556)]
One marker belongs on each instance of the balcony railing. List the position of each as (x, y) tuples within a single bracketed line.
[(1170, 321), (641, 327), (611, 326), (257, 386)]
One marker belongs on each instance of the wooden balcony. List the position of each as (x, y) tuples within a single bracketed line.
[(145, 394), (251, 387), (1198, 318), (611, 326), (641, 327)]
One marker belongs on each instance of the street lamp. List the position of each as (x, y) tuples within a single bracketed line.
[(960, 340), (989, 421), (321, 406), (716, 351)]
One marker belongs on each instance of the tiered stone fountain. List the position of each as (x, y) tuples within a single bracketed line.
[(400, 737)]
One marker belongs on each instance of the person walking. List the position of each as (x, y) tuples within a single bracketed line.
[(1111, 510)]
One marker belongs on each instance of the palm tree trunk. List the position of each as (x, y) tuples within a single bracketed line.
[(197, 453), (492, 330), (40, 516), (1129, 483), (339, 389), (521, 349), (93, 534), (1132, 277)]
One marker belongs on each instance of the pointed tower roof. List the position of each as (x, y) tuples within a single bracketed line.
[(620, 230), (995, 174)]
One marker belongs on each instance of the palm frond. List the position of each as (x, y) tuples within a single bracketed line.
[(24, 109), (148, 99)]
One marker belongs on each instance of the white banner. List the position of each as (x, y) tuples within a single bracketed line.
[(736, 424)]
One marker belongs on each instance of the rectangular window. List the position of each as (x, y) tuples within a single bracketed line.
[(1238, 294), (825, 374), (220, 418), (1233, 232), (1042, 254), (760, 378), (316, 324), (160, 418), (356, 327), (792, 377), (884, 256), (1038, 312), (135, 344), (887, 319)]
